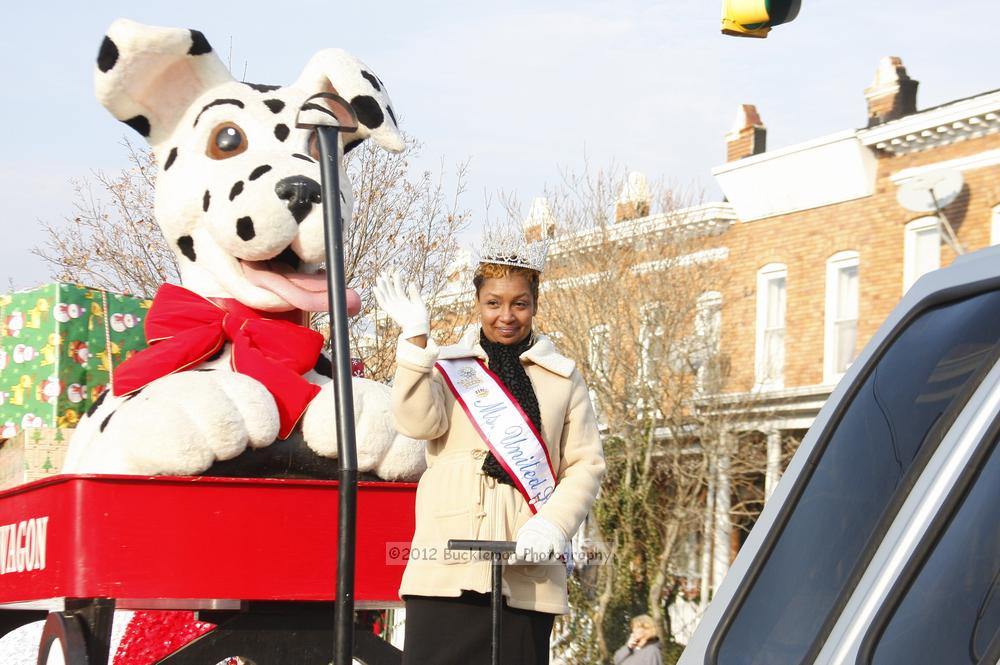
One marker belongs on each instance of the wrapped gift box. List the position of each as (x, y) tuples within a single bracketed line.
[(32, 454), (58, 345)]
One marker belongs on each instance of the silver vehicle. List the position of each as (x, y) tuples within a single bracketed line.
[(881, 544)]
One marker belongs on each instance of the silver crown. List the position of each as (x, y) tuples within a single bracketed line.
[(508, 246)]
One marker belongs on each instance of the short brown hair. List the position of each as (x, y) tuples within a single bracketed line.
[(487, 271)]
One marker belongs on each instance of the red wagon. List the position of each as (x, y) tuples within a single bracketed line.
[(258, 557)]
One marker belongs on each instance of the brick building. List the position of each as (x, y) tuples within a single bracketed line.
[(822, 250)]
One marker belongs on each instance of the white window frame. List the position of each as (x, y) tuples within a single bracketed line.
[(647, 333), (598, 342), (995, 226), (910, 233), (834, 265), (765, 276), (708, 330)]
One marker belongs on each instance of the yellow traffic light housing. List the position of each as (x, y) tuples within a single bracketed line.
[(755, 18)]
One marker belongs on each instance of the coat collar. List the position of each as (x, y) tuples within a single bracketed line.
[(542, 353)]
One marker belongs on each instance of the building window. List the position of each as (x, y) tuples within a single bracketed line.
[(995, 227), (707, 329), (598, 350), (921, 249), (650, 341), (770, 365), (841, 335)]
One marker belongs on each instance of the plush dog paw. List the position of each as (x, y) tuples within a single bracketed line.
[(373, 430), (381, 450), (405, 461), (177, 425)]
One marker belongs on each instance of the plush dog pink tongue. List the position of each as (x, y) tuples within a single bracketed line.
[(303, 291)]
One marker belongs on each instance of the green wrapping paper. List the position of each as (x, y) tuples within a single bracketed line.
[(34, 453), (58, 345)]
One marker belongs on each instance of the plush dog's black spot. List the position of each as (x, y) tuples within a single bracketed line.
[(199, 45), (305, 157), (107, 420), (134, 394), (139, 123), (205, 200), (369, 112), (97, 403), (108, 55), (275, 105), (260, 87), (170, 158), (207, 369), (352, 145), (371, 79), (324, 367), (259, 171), (186, 245), (217, 102), (281, 131), (392, 115), (244, 228), (236, 190)]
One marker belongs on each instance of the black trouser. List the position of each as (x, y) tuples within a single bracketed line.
[(456, 631)]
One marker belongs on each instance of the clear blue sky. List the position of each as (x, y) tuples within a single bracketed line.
[(520, 88)]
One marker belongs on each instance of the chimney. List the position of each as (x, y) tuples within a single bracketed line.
[(893, 94), (539, 223), (748, 135), (634, 199)]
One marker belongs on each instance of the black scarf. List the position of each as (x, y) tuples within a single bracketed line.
[(505, 362)]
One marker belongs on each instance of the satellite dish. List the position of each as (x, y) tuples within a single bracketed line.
[(930, 192)]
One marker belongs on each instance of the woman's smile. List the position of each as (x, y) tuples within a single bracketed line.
[(506, 308)]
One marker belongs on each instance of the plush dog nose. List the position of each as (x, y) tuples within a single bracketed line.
[(301, 193)]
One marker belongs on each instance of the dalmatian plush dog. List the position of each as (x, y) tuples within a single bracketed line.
[(239, 201)]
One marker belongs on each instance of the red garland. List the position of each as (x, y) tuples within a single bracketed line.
[(151, 636)]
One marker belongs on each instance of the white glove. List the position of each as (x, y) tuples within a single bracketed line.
[(404, 306), (539, 540)]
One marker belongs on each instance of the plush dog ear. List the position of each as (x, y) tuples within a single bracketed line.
[(149, 76), (337, 71)]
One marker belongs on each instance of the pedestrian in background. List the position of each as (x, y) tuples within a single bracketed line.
[(643, 646)]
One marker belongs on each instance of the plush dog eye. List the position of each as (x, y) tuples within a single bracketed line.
[(227, 141)]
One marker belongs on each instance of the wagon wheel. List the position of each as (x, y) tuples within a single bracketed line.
[(63, 641)]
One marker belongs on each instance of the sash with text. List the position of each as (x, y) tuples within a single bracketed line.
[(504, 427)]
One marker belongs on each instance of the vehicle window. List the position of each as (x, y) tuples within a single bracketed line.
[(951, 611), (903, 407)]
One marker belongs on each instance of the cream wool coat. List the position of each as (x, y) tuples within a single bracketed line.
[(456, 500)]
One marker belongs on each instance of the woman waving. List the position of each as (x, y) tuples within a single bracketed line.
[(514, 454)]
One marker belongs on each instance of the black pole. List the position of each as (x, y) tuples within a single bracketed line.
[(329, 151), (496, 606), (498, 551)]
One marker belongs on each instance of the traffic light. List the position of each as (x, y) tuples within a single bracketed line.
[(755, 18)]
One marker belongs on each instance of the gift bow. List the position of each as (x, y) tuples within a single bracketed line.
[(184, 329)]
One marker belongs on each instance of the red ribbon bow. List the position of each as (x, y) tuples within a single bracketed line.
[(184, 329)]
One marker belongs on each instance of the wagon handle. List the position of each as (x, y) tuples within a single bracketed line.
[(328, 125)]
